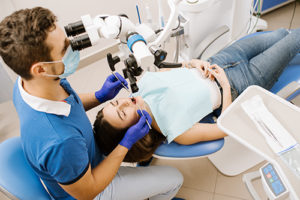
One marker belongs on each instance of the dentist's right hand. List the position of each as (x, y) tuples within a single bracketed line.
[(137, 131), (110, 88)]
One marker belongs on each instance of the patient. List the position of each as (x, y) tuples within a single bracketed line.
[(179, 100)]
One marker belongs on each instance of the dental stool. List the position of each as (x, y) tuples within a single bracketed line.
[(17, 179), (234, 158)]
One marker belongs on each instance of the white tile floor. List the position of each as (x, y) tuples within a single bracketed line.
[(201, 178)]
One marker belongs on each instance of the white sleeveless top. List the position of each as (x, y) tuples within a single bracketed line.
[(214, 90)]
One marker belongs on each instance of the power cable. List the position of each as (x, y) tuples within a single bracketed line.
[(292, 19), (258, 14)]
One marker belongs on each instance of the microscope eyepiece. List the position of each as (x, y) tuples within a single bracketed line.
[(75, 28), (80, 42)]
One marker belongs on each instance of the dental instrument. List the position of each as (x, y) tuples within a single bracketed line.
[(144, 116), (284, 171), (126, 88), (130, 94), (277, 136), (139, 108), (267, 130), (111, 62)]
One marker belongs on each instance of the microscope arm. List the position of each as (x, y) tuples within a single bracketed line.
[(205, 44), (169, 65), (173, 4)]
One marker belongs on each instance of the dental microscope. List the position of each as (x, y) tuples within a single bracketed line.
[(200, 28), (134, 43)]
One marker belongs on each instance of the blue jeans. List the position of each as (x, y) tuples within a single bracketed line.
[(257, 60)]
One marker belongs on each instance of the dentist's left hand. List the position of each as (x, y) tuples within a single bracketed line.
[(110, 88), (137, 131)]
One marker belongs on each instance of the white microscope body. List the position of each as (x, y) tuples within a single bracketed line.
[(212, 25), (114, 27)]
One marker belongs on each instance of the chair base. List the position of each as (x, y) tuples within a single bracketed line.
[(234, 158)]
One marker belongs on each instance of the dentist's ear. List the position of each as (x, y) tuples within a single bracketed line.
[(37, 69)]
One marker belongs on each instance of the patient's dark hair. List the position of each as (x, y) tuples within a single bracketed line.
[(108, 137)]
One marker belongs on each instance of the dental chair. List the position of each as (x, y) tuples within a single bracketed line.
[(234, 158), (17, 178)]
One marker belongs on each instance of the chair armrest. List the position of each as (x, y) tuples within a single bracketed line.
[(289, 91), (208, 40), (176, 151)]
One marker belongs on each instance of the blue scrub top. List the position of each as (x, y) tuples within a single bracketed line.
[(58, 143)]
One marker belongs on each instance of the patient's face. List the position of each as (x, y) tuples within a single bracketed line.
[(122, 113)]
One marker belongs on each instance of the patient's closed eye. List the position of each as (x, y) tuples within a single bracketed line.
[(114, 103)]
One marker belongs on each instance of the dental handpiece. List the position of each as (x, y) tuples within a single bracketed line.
[(131, 95)]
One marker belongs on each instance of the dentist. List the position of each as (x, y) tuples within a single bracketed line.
[(56, 135)]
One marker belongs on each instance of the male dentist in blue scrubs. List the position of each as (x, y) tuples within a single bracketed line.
[(56, 134)]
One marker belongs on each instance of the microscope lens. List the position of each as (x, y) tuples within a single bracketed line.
[(75, 28), (80, 42)]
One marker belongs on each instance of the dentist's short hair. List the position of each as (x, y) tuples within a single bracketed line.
[(22, 39)]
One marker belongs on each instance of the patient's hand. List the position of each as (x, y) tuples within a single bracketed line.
[(199, 64), (217, 72)]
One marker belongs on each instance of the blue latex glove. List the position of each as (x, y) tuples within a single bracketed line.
[(110, 88), (137, 131)]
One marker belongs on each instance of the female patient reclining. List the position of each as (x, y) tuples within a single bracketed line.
[(178, 99)]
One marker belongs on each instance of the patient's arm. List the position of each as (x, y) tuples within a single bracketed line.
[(200, 132), (164, 69), (216, 72), (226, 98)]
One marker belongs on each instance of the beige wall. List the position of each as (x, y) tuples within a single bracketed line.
[(6, 7), (70, 10)]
